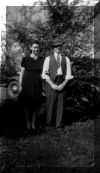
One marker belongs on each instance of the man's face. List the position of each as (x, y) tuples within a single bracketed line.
[(35, 48), (57, 50)]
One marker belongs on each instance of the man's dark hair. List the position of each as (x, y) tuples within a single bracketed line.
[(35, 42)]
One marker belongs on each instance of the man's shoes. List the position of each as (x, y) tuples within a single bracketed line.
[(48, 125), (33, 132), (59, 126)]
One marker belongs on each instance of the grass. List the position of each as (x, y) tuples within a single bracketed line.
[(72, 146)]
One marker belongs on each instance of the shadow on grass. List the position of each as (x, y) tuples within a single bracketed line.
[(12, 118)]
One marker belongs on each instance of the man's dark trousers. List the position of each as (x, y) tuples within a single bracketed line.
[(55, 102)]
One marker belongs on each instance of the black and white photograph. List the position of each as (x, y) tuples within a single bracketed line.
[(49, 85)]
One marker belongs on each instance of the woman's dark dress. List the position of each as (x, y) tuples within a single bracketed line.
[(31, 94)]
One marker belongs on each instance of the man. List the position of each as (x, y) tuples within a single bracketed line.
[(56, 72)]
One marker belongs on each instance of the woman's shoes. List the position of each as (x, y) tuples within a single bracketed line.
[(33, 126)]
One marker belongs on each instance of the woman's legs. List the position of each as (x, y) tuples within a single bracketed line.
[(30, 119), (33, 120)]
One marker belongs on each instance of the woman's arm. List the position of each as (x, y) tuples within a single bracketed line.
[(22, 69), (21, 75), (20, 78)]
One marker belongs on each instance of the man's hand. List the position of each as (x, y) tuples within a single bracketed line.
[(60, 87), (70, 77), (54, 87)]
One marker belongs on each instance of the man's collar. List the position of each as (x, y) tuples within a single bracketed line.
[(56, 55)]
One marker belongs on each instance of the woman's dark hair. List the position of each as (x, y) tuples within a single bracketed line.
[(30, 44)]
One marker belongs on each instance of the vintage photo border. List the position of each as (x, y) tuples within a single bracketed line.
[(97, 122)]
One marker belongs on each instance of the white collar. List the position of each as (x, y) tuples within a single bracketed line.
[(55, 55)]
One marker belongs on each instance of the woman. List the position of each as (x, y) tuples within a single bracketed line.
[(30, 81)]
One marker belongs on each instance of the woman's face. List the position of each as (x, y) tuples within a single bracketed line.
[(35, 48)]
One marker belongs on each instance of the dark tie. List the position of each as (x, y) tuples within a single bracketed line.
[(58, 61)]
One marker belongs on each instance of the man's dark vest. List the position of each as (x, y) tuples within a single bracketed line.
[(53, 66)]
